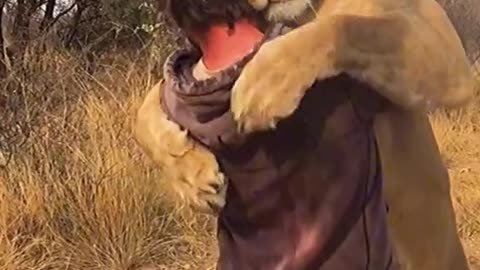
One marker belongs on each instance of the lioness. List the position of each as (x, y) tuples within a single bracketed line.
[(417, 186), (208, 178)]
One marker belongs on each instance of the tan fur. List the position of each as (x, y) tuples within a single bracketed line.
[(417, 190), (258, 4), (429, 65), (188, 167), (407, 50)]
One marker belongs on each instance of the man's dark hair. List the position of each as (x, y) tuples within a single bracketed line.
[(199, 14)]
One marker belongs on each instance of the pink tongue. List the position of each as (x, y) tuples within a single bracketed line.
[(221, 48)]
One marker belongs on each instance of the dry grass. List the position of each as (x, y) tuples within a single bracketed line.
[(80, 195), (458, 134)]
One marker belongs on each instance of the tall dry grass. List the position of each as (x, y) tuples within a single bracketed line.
[(458, 135), (79, 194)]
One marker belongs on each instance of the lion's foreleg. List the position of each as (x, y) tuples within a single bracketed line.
[(187, 166)]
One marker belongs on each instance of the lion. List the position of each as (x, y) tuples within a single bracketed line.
[(416, 181), (426, 201)]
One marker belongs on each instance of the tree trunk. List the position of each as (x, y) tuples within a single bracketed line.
[(20, 31), (48, 18), (3, 57), (21, 22), (21, 27), (76, 22)]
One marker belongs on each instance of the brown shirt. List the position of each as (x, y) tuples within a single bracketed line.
[(307, 195)]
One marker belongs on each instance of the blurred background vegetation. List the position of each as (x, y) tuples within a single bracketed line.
[(75, 191)]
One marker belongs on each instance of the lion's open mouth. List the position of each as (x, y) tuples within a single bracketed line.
[(223, 45)]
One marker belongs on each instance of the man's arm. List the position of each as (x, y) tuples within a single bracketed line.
[(187, 166)]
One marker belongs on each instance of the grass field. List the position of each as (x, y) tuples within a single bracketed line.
[(80, 195), (458, 136)]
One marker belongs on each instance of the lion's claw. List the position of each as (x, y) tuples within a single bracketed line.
[(196, 177), (209, 199)]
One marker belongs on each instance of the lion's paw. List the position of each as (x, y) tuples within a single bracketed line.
[(199, 181), (201, 201), (270, 87)]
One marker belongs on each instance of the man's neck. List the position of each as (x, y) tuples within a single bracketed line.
[(221, 46)]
